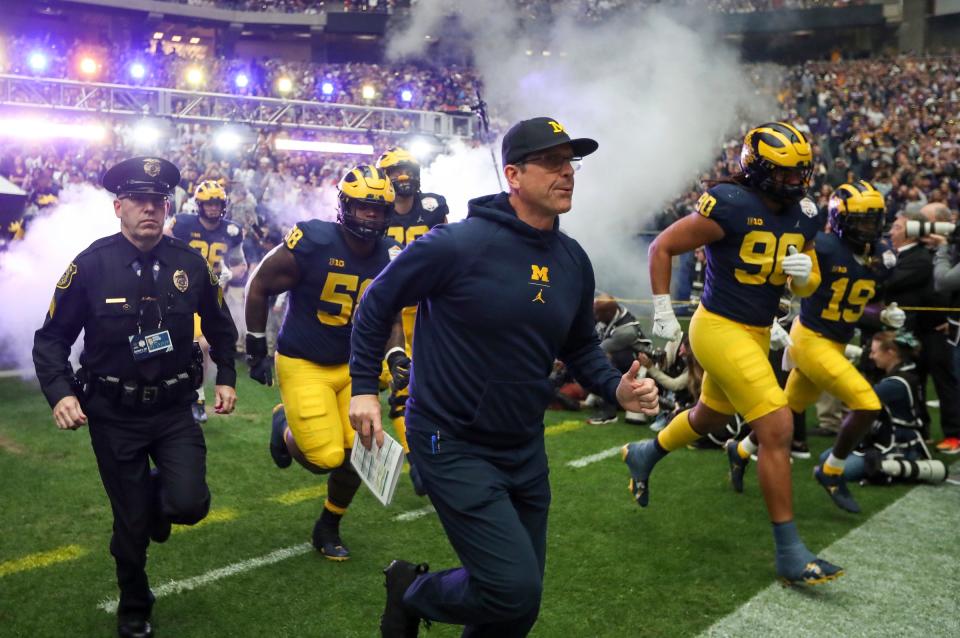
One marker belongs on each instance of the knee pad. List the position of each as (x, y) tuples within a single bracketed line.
[(326, 458)]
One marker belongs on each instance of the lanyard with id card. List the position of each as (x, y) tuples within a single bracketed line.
[(148, 344)]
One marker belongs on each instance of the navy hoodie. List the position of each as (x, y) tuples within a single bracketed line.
[(499, 301)]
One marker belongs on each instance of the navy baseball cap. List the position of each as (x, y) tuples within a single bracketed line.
[(143, 175), (529, 136)]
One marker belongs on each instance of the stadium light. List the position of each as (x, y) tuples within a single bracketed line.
[(241, 81), (227, 141), (37, 61), (176, 38), (312, 146), (284, 85), (194, 40), (158, 35), (37, 129), (145, 134), (368, 92), (420, 148), (194, 76), (138, 71), (406, 95), (327, 88), (88, 66)]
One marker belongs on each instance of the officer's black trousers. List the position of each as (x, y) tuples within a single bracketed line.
[(122, 442), (493, 505)]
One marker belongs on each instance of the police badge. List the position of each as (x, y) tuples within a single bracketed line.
[(151, 167), (181, 281)]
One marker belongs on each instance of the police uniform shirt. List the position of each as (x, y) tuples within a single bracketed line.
[(99, 294), (846, 287), (212, 244), (332, 280), (429, 209), (743, 281)]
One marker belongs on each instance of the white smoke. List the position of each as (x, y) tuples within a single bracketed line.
[(29, 269), (659, 97)]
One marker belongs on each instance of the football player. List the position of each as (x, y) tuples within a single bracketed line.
[(853, 262), (758, 230), (414, 214), (326, 267), (219, 240)]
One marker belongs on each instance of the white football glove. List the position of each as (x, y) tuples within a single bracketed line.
[(852, 352), (779, 338), (225, 276), (665, 323), (892, 316), (889, 259), (797, 265)]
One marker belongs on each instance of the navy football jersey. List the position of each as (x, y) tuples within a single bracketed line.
[(332, 280), (846, 287), (212, 244), (744, 279), (429, 209)]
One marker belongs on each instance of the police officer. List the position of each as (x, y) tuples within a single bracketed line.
[(134, 295), (502, 294)]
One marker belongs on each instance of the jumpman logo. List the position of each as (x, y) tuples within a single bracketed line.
[(539, 297)]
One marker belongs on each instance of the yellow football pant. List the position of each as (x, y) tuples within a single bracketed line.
[(737, 374), (317, 402), (821, 367)]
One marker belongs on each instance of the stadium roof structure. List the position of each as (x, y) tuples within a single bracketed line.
[(71, 96)]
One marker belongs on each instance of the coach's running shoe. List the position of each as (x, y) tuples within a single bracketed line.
[(738, 466), (326, 540), (640, 460), (950, 445), (799, 450), (199, 411), (278, 446), (816, 572), (836, 487), (396, 621), (602, 419)]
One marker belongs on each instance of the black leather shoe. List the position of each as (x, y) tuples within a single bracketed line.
[(134, 628), (396, 621)]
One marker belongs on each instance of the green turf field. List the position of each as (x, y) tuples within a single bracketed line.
[(695, 555)]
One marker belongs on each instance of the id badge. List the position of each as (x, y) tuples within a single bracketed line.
[(145, 346)]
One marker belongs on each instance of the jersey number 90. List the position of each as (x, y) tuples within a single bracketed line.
[(341, 290), (763, 250)]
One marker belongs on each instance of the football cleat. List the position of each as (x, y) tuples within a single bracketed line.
[(396, 621), (326, 540), (738, 466), (836, 487), (633, 455), (278, 446), (799, 450), (816, 572)]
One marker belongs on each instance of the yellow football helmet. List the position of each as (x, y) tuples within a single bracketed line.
[(210, 191), (856, 213), (368, 185), (403, 169), (777, 159)]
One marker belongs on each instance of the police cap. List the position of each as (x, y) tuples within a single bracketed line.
[(529, 136), (143, 175)]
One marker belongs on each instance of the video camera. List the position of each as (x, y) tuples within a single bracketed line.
[(924, 228)]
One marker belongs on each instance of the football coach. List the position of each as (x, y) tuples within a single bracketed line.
[(502, 295)]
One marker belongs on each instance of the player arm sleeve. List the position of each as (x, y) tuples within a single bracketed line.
[(813, 282), (581, 352), (421, 269), (220, 331), (52, 342)]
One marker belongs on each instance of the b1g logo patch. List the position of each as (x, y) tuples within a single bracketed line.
[(67, 278)]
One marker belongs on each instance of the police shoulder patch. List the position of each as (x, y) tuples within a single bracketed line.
[(808, 207), (67, 278), (429, 203)]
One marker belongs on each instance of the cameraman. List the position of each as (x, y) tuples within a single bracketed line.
[(621, 338)]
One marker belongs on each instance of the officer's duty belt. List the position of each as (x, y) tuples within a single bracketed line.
[(138, 395)]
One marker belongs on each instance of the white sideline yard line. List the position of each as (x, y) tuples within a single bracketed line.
[(177, 586), (593, 458), (414, 514), (24, 373), (892, 587)]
